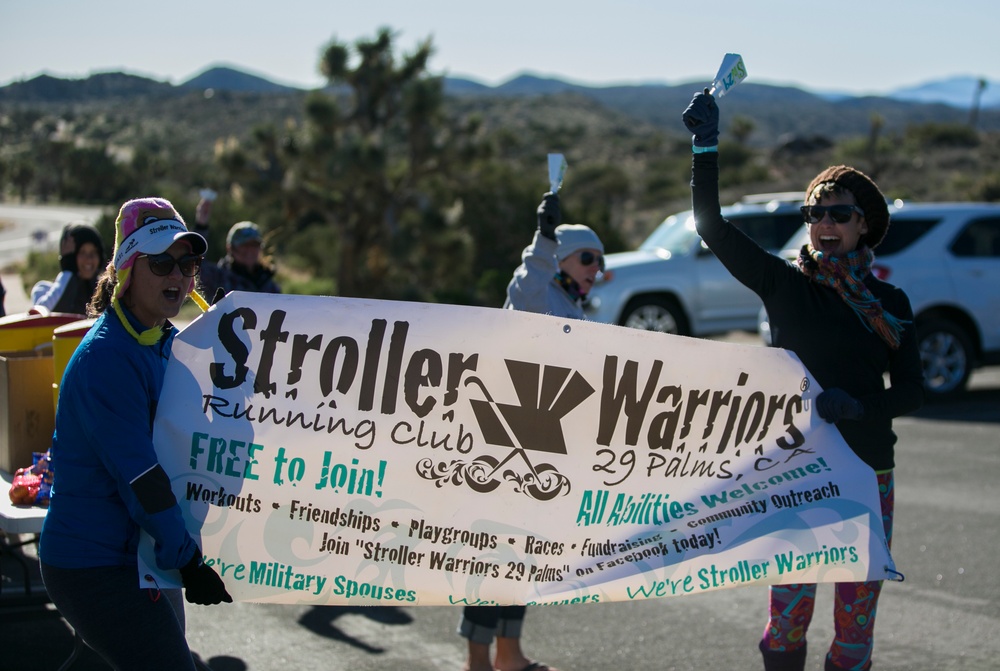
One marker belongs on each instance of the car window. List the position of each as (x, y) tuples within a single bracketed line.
[(676, 235), (902, 233), (979, 238), (770, 231)]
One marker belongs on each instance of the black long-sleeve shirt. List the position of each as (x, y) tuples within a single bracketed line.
[(815, 323)]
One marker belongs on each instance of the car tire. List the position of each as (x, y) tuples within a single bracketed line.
[(655, 313), (946, 356)]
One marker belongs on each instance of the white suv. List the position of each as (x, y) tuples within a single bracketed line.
[(674, 284), (946, 257)]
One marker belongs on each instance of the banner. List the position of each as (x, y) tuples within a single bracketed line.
[(343, 451)]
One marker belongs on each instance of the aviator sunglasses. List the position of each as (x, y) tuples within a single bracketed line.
[(588, 258), (163, 264), (839, 214)]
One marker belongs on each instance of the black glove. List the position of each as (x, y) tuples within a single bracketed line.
[(220, 293), (835, 404), (67, 262), (702, 118), (549, 216), (202, 585)]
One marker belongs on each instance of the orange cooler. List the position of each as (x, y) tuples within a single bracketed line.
[(64, 342)]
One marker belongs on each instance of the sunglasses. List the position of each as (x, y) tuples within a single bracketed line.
[(839, 214), (163, 264), (588, 258)]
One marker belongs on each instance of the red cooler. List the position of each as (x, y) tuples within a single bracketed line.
[(27, 330)]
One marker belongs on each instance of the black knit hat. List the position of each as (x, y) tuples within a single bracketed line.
[(865, 192)]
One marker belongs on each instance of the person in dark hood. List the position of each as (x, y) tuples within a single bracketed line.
[(81, 259)]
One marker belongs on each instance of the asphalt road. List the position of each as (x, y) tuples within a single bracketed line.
[(944, 616), (27, 227)]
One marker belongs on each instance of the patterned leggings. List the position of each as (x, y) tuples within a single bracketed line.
[(791, 608)]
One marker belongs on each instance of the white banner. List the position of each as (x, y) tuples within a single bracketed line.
[(335, 451)]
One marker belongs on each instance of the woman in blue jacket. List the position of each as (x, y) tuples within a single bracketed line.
[(110, 484)]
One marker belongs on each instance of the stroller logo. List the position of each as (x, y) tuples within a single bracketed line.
[(545, 395)]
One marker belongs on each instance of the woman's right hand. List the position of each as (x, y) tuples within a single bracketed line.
[(67, 251), (549, 215), (202, 212)]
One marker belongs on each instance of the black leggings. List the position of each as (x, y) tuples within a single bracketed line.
[(481, 623), (131, 628)]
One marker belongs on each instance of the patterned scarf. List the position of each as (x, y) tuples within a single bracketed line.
[(569, 285), (845, 275)]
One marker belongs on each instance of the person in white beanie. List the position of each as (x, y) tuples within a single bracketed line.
[(558, 268)]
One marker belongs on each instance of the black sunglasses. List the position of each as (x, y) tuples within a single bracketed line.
[(839, 214), (588, 258), (163, 264)]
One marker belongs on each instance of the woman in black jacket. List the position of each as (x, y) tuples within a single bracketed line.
[(848, 328)]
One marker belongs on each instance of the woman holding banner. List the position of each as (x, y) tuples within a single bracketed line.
[(848, 328), (110, 484), (557, 270)]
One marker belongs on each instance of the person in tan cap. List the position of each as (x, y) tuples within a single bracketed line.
[(848, 328), (244, 267)]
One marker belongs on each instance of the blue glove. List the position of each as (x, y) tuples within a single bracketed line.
[(702, 118), (549, 215), (835, 404)]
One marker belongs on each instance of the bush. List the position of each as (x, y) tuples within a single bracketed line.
[(39, 266), (313, 286), (942, 135), (986, 188)]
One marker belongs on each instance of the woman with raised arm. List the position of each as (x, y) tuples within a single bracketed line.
[(848, 328), (557, 271)]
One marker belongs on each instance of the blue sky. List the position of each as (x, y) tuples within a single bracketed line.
[(868, 46)]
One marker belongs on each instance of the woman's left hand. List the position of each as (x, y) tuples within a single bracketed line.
[(835, 404), (702, 118)]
